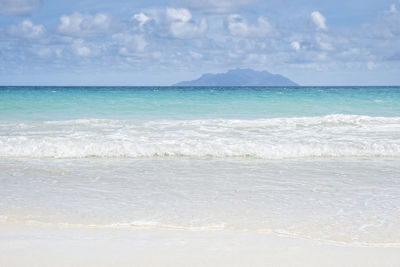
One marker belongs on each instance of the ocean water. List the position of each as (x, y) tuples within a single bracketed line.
[(320, 163)]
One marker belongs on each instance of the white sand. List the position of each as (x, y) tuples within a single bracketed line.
[(28, 245)]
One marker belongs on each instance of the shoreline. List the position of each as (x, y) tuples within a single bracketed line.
[(134, 226), (28, 245)]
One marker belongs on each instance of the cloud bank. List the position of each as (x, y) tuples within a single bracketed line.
[(181, 37)]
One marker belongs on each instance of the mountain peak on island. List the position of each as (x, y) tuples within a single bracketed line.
[(240, 77)]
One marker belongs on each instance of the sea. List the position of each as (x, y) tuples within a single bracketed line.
[(319, 163)]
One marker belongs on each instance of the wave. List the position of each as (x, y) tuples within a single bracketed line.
[(278, 138)]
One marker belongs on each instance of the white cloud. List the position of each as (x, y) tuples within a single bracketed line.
[(195, 55), (141, 18), (129, 43), (26, 29), (182, 25), (179, 14), (295, 45), (393, 8), (139, 42), (319, 20), (238, 26), (323, 43), (79, 48), (48, 52), (387, 25), (18, 7), (79, 24)]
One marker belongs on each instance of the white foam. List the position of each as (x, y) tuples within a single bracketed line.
[(278, 138)]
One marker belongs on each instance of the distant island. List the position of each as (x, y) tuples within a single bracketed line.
[(240, 77)]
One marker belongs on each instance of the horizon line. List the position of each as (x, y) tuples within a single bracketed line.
[(190, 86)]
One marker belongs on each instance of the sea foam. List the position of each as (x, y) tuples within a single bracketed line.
[(278, 138)]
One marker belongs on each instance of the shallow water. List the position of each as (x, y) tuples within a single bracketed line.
[(355, 201)]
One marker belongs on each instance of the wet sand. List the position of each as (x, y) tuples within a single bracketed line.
[(30, 245)]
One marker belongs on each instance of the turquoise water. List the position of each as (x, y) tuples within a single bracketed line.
[(141, 103)]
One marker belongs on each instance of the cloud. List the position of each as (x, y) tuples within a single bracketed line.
[(238, 26), (79, 48), (393, 8), (141, 18), (179, 14), (26, 29), (295, 45), (371, 65), (182, 25), (129, 43), (46, 52), (161, 38), (391, 21), (19, 7), (323, 42), (82, 25), (319, 20), (195, 55), (385, 26), (213, 6)]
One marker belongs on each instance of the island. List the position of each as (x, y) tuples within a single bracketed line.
[(240, 77)]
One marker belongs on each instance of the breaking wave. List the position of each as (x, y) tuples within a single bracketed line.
[(278, 138)]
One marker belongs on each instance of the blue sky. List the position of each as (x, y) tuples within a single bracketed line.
[(87, 42)]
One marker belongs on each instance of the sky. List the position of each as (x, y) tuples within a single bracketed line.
[(154, 42)]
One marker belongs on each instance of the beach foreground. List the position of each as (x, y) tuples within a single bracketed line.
[(291, 213), (29, 245)]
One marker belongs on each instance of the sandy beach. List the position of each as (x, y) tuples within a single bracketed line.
[(29, 245)]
